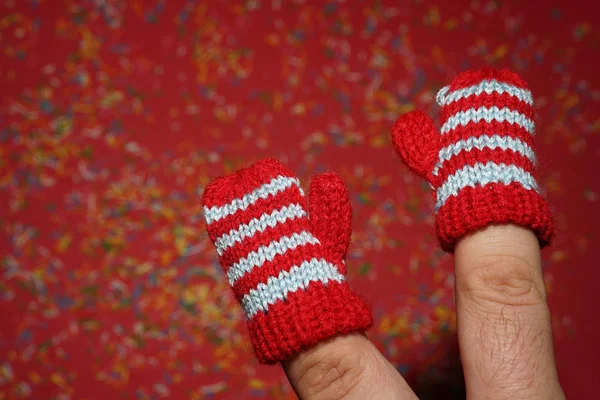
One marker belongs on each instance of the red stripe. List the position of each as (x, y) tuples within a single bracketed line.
[(241, 250), (474, 77), (498, 156), (488, 101), (223, 190), (484, 128), (262, 206), (272, 268)]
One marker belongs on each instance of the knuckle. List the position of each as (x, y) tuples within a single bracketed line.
[(502, 280), (335, 377)]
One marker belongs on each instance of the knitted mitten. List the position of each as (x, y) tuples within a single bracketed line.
[(481, 164), (287, 270)]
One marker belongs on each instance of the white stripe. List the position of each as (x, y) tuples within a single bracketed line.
[(276, 185), (263, 254), (279, 287), (257, 225), (491, 142), (488, 115), (444, 98), (481, 175)]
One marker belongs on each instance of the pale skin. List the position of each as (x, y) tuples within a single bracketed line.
[(503, 324)]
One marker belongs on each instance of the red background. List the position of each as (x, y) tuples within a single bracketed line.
[(115, 114)]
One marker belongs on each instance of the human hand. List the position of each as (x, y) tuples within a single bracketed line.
[(504, 326), (317, 331), (504, 332)]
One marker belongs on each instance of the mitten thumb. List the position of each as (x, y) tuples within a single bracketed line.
[(330, 215), (417, 142)]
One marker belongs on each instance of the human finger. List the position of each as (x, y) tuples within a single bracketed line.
[(289, 276), (504, 327), (346, 366), (490, 211)]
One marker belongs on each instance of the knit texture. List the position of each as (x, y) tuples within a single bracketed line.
[(481, 164), (285, 268)]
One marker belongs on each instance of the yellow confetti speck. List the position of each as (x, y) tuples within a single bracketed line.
[(256, 384), (64, 242)]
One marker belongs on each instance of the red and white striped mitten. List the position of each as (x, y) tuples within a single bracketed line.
[(481, 164), (284, 264)]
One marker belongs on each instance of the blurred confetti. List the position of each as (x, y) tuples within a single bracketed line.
[(115, 114)]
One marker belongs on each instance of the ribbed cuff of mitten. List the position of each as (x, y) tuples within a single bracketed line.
[(305, 318), (493, 204), (291, 286)]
